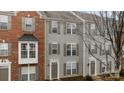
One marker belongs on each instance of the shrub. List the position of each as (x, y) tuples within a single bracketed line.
[(122, 73), (88, 78)]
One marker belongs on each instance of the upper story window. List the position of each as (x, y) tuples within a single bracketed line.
[(54, 26), (71, 49), (92, 26), (4, 49), (28, 50), (4, 20), (54, 48), (102, 49), (71, 28), (93, 48), (108, 49), (28, 24)]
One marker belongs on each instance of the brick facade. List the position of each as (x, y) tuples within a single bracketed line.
[(12, 35)]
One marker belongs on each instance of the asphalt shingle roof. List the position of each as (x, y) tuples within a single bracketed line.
[(28, 37)]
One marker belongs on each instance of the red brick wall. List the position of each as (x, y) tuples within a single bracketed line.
[(15, 32)]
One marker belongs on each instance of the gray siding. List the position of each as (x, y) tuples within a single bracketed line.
[(61, 39)]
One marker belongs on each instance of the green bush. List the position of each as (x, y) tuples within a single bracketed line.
[(122, 73), (88, 78)]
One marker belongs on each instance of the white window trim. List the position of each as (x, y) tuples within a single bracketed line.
[(6, 64), (71, 27), (7, 49), (28, 72), (104, 66), (52, 23), (71, 62), (54, 48), (27, 59), (53, 61), (92, 59), (71, 48), (25, 22)]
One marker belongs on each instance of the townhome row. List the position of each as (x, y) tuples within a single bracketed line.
[(47, 45)]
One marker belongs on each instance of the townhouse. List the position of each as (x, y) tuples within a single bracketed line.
[(49, 45), (63, 47), (97, 51), (21, 46)]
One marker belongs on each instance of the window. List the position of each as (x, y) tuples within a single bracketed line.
[(54, 48), (71, 49), (4, 49), (28, 73), (102, 49), (92, 26), (54, 26), (102, 68), (71, 68), (71, 28), (108, 49), (94, 48), (28, 24), (28, 50), (4, 22), (24, 50), (32, 50)]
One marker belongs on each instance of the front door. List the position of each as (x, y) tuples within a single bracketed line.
[(92, 68), (4, 73), (54, 70)]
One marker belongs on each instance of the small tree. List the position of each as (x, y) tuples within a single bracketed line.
[(109, 27)]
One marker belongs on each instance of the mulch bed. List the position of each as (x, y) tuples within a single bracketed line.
[(76, 78)]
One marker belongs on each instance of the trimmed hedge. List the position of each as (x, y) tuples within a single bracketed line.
[(122, 73), (88, 78)]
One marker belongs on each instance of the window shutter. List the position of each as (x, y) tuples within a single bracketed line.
[(37, 73), (33, 25), (50, 27), (64, 69), (88, 27), (9, 49), (58, 27), (23, 24), (78, 29), (19, 73), (100, 49), (77, 49), (65, 28), (77, 68), (64, 49), (110, 49), (95, 48), (89, 48), (49, 49), (9, 22), (58, 48)]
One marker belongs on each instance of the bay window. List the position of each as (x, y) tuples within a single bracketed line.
[(28, 50)]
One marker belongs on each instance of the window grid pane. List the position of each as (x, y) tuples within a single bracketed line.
[(54, 48), (28, 24), (4, 49)]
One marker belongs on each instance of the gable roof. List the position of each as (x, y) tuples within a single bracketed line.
[(87, 16), (60, 15)]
